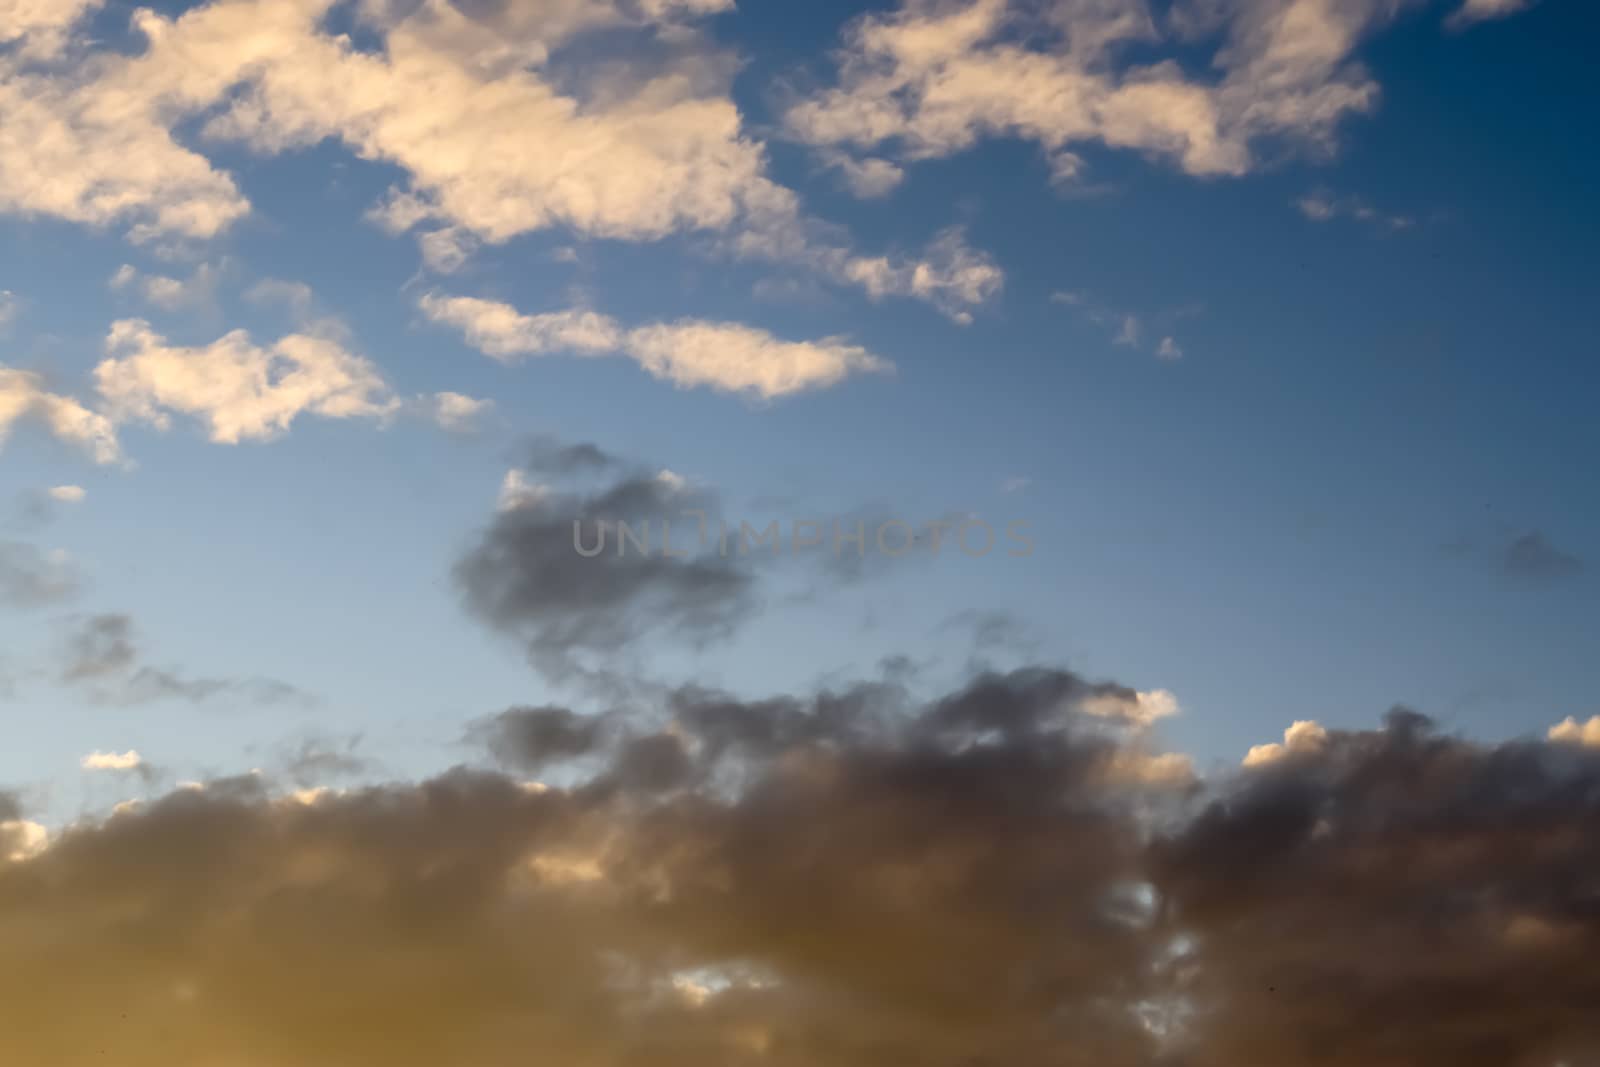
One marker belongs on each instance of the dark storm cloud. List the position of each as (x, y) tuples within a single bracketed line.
[(1532, 558), (533, 738), (1395, 897), (31, 578), (577, 613), (853, 891), (854, 877)]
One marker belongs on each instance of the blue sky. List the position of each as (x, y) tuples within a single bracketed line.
[(1289, 367)]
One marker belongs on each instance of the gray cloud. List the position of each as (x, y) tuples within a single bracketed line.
[(853, 877), (31, 578), (102, 652), (1532, 558), (579, 616)]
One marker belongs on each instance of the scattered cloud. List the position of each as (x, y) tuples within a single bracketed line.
[(931, 79), (1125, 328), (1324, 206), (237, 389), (1530, 557), (33, 578), (1472, 12), (25, 399), (67, 494), (720, 355), (167, 293), (102, 653)]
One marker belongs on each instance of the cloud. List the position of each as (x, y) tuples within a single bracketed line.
[(31, 578), (1472, 12), (869, 179), (930, 79), (113, 761), (950, 274), (1324, 206), (638, 150), (169, 294), (1571, 732), (455, 412), (1125, 328), (67, 494), (1390, 897), (1531, 558), (1302, 737), (237, 389), (535, 573), (720, 355), (24, 398), (785, 880), (102, 653)]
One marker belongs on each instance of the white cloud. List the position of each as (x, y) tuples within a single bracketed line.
[(169, 294), (67, 494), (23, 397), (456, 412), (1169, 350), (721, 355), (460, 101), (950, 274), (1015, 484), (1140, 709), (1475, 11), (1572, 732), (500, 331), (868, 178), (1323, 206), (9, 306), (931, 79), (1303, 736), (21, 840), (41, 25), (516, 491), (112, 761), (238, 389)]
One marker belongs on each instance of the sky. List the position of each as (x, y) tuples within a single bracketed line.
[(1256, 333)]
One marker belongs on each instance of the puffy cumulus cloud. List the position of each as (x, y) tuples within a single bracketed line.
[(1572, 732), (1472, 12), (690, 352), (933, 77), (237, 389), (24, 398), (1392, 897), (791, 880), (1302, 736), (536, 573), (461, 97)]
